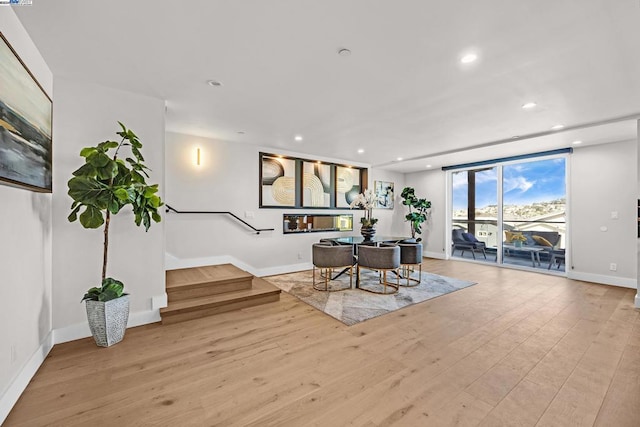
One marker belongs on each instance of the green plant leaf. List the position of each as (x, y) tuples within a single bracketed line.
[(91, 217), (105, 146), (92, 294), (85, 190), (114, 285), (122, 194), (108, 171), (87, 151), (98, 159), (150, 190), (154, 201), (85, 170), (74, 214)]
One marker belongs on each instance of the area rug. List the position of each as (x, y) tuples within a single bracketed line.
[(353, 306)]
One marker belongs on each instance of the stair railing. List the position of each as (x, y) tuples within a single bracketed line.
[(256, 230)]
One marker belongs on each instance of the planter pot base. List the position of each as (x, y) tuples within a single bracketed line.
[(108, 320)]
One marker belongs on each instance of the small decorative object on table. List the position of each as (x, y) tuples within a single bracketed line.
[(366, 201), (518, 239)]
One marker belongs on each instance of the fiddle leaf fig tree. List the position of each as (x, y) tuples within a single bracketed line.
[(418, 210), (103, 186)]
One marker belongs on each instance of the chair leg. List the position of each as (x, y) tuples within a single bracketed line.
[(484, 253), (351, 277), (384, 280)]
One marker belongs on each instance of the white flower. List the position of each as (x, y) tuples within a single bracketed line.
[(366, 200)]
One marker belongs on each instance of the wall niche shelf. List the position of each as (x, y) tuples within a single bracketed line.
[(313, 223)]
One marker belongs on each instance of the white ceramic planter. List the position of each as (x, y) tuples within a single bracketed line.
[(108, 320)]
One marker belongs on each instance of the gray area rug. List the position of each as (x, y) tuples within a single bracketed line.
[(353, 306)]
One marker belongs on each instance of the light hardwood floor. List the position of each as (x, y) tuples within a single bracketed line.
[(519, 349)]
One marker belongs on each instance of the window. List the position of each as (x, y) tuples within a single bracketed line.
[(524, 198)]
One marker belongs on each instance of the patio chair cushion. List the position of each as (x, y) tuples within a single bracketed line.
[(541, 241)]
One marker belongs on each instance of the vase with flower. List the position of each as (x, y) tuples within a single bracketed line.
[(518, 239), (366, 201)]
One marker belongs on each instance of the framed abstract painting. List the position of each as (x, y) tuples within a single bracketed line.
[(384, 192), (25, 125)]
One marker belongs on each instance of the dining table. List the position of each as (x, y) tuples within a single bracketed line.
[(359, 240)]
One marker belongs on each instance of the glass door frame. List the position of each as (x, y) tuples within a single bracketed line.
[(499, 165)]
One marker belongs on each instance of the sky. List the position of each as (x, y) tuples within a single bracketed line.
[(524, 183)]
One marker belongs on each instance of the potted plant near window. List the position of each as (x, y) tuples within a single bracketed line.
[(101, 188), (418, 211)]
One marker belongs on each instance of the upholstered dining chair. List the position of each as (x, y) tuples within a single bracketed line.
[(381, 259), (410, 258), (327, 258)]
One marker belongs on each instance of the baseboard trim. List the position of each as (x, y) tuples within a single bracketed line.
[(436, 255), (624, 282), (81, 330), (173, 263), (283, 269), (21, 381)]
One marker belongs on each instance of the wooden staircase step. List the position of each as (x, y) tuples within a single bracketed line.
[(186, 283), (261, 292)]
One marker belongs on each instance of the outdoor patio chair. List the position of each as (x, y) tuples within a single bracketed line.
[(466, 242)]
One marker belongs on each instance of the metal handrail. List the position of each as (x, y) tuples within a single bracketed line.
[(257, 230)]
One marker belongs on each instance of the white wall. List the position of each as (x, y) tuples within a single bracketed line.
[(25, 255), (432, 185), (86, 114), (227, 180), (600, 184)]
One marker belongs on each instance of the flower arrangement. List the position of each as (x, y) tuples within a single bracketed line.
[(366, 201), (518, 237)]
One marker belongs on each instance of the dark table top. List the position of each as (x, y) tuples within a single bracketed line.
[(358, 240)]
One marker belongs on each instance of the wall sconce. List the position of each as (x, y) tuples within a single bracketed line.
[(197, 156)]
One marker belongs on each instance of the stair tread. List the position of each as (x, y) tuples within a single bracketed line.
[(260, 287), (207, 275)]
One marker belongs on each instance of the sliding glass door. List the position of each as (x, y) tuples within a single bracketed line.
[(474, 218), (534, 207), (513, 213)]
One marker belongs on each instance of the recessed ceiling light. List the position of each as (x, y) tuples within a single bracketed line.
[(298, 138), (214, 83), (468, 58), (399, 159), (428, 166), (344, 52), (515, 137), (360, 151), (529, 105), (577, 142), (557, 127)]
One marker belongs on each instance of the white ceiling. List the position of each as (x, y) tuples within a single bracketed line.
[(401, 93)]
